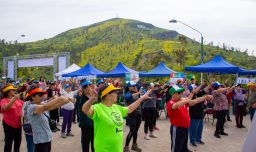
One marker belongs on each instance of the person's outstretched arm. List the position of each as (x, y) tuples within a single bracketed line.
[(135, 104)]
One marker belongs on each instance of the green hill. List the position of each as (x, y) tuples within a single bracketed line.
[(138, 45)]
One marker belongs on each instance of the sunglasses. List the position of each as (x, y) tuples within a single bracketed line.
[(40, 94), (180, 92), (85, 86)]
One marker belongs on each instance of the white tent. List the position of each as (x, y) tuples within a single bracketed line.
[(71, 68)]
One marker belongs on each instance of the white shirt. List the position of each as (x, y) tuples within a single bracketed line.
[(71, 94)]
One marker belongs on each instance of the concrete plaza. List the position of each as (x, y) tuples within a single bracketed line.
[(231, 143)]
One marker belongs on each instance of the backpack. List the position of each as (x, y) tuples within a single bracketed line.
[(25, 124)]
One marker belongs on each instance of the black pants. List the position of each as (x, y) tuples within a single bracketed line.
[(239, 115), (220, 115), (87, 137), (43, 147), (12, 134), (228, 113), (54, 114), (75, 114), (134, 124), (149, 116), (179, 139)]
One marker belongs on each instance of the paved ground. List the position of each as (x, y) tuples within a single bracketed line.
[(231, 143)]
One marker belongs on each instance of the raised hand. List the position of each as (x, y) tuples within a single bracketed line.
[(208, 97), (93, 95), (16, 97)]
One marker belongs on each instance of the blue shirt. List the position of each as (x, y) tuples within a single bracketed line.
[(40, 125)]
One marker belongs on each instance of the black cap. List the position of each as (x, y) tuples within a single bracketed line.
[(10, 80)]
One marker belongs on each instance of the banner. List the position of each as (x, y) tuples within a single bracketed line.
[(177, 75), (134, 76), (173, 81), (35, 62), (88, 77), (62, 63), (10, 69), (245, 80)]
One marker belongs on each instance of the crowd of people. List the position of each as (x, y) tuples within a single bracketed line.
[(35, 107)]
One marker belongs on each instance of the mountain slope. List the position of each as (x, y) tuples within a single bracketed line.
[(138, 45)]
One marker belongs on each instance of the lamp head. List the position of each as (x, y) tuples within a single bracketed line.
[(173, 21)]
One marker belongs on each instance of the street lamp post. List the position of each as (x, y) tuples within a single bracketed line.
[(20, 36), (202, 42)]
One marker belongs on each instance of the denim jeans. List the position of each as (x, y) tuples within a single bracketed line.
[(195, 130), (251, 111), (30, 143)]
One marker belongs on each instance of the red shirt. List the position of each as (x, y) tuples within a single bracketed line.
[(179, 117), (12, 116)]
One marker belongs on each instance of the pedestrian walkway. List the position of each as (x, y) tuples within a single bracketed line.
[(231, 143)]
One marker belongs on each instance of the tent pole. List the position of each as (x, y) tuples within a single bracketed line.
[(201, 77), (236, 77)]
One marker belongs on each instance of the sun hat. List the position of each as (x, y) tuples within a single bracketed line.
[(36, 90), (108, 89), (10, 87), (250, 84)]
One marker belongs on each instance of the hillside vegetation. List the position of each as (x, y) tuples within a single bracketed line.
[(138, 45)]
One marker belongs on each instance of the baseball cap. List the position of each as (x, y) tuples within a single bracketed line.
[(216, 85), (35, 81), (176, 89), (10, 80), (131, 84), (86, 82), (100, 81), (66, 86)]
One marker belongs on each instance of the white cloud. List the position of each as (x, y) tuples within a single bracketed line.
[(229, 21)]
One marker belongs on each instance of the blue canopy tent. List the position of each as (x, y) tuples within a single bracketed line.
[(216, 65), (119, 71), (246, 72), (86, 70), (161, 70)]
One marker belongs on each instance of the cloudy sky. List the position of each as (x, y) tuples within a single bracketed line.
[(221, 21)]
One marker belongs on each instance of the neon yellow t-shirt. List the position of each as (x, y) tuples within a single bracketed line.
[(108, 127)]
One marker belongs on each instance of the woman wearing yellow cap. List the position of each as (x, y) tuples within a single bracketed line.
[(108, 118), (11, 107)]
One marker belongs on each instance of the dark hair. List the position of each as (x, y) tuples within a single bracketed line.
[(101, 89), (5, 94)]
